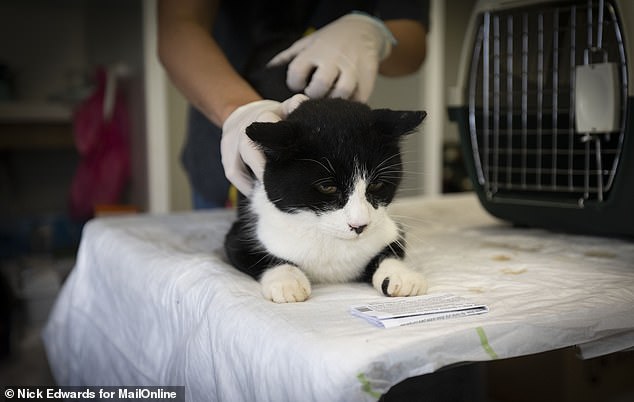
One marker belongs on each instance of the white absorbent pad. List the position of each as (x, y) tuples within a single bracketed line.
[(152, 301)]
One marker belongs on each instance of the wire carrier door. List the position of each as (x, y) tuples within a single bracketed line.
[(532, 108)]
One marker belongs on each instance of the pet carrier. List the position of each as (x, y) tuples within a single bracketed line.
[(544, 104)]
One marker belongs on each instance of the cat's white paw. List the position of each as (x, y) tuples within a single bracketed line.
[(285, 284), (394, 278)]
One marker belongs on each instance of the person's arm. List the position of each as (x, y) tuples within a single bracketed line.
[(409, 52), (194, 61), (200, 70)]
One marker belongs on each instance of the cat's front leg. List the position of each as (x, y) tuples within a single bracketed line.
[(285, 284), (394, 278)]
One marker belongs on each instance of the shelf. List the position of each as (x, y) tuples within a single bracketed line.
[(34, 112), (31, 136), (35, 125)]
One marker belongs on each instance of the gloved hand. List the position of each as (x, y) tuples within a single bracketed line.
[(237, 149), (344, 56)]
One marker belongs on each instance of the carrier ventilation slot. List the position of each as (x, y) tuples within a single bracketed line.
[(522, 103)]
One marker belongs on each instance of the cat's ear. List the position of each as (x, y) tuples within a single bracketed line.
[(273, 138), (397, 123)]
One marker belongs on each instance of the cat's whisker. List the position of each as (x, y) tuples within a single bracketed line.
[(392, 249), (392, 174), (329, 169), (392, 167), (383, 166), (387, 159), (255, 264), (410, 222), (404, 190), (332, 169), (411, 237)]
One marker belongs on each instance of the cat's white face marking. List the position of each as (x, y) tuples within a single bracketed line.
[(355, 217), (325, 245), (358, 209)]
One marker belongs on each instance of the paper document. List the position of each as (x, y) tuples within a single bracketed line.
[(411, 310)]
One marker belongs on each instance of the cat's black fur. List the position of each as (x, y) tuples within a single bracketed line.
[(323, 142)]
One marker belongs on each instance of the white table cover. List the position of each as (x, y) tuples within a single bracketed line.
[(152, 301)]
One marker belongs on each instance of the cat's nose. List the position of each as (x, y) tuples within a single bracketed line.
[(358, 228)]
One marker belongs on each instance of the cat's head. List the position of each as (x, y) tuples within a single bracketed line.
[(336, 159)]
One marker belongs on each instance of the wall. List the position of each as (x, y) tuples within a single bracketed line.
[(44, 44), (458, 12), (180, 192)]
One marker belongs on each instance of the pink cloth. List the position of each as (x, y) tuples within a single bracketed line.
[(102, 142)]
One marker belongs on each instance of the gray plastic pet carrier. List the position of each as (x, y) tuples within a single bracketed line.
[(544, 103)]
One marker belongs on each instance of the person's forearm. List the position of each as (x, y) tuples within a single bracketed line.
[(409, 53), (196, 64)]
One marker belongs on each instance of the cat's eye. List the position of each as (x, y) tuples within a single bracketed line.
[(375, 186), (327, 189)]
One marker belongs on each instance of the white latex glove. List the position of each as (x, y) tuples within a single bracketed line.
[(237, 149), (344, 56)]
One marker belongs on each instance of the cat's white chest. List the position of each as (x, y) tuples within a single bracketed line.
[(323, 246)]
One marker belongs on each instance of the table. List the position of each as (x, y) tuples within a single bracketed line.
[(152, 301)]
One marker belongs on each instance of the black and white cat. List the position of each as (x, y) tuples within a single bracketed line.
[(319, 215)]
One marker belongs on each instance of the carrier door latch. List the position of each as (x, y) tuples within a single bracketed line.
[(597, 110), (597, 96)]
